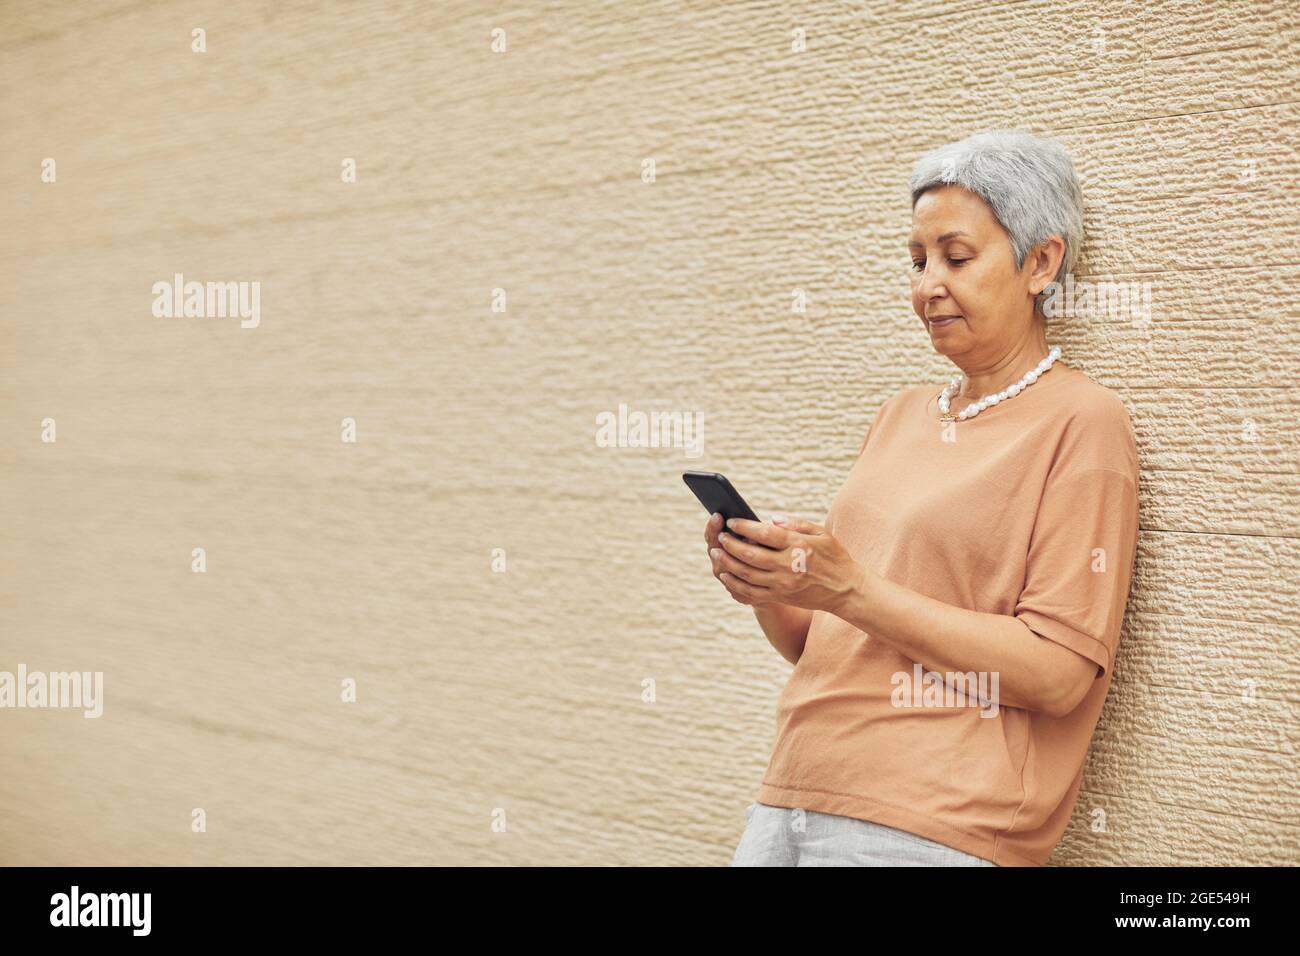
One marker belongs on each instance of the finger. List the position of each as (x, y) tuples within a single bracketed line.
[(801, 525), (711, 529), (746, 602), (737, 598), (755, 555), (719, 571), (762, 532), (744, 571), (736, 586)]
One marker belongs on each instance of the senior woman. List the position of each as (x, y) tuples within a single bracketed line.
[(954, 623)]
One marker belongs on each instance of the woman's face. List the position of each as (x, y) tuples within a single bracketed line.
[(963, 265)]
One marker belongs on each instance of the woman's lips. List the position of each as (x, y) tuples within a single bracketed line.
[(939, 321)]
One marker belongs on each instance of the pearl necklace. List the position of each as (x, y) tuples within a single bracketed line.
[(1015, 388)]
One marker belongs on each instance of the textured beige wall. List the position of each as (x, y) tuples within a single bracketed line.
[(776, 171)]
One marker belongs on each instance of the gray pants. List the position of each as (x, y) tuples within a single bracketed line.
[(829, 840)]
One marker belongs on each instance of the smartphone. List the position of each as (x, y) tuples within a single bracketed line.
[(716, 494)]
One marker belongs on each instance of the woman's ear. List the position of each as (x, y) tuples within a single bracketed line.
[(1044, 261)]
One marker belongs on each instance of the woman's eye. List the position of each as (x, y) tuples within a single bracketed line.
[(919, 264)]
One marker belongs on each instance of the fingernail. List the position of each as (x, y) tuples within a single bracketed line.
[(722, 534), (778, 519), (714, 552), (731, 522)]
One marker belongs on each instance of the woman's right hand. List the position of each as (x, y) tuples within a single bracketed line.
[(711, 529), (786, 628)]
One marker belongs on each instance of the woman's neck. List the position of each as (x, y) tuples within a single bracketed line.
[(981, 380)]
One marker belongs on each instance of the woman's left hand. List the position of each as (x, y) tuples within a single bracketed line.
[(793, 561)]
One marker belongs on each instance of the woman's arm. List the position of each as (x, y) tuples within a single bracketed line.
[(1033, 673), (786, 628)]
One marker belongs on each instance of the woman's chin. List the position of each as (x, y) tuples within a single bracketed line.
[(942, 340)]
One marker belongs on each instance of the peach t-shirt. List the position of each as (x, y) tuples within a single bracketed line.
[(1029, 509)]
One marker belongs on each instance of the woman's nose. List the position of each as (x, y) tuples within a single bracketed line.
[(931, 285)]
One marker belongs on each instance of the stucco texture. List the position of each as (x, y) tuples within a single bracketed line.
[(600, 700)]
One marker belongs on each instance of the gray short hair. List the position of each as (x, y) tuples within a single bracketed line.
[(1028, 182)]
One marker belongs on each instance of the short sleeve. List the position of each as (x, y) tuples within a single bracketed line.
[(1080, 562)]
